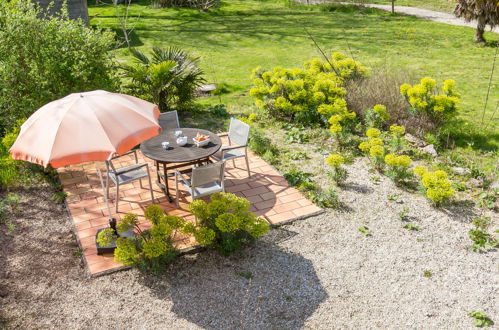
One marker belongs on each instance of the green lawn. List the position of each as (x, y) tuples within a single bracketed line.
[(437, 5), (243, 34)]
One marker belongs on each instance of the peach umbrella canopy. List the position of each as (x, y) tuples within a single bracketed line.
[(83, 127)]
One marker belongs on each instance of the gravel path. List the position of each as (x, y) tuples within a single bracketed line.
[(319, 273), (413, 11)]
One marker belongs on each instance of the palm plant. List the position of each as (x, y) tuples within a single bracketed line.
[(486, 12), (169, 78)]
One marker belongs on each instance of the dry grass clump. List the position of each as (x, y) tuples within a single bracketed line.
[(383, 87)]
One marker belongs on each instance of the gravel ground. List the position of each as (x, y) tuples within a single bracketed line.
[(318, 273)]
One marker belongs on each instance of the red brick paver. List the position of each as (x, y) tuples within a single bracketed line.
[(268, 192)]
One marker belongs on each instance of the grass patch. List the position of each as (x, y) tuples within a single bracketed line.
[(241, 35)]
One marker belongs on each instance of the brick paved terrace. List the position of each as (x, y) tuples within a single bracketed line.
[(268, 192)]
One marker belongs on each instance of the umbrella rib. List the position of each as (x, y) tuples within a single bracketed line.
[(57, 133)]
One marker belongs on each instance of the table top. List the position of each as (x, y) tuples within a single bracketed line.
[(153, 149)]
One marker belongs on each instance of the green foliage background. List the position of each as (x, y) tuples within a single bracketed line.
[(43, 60)]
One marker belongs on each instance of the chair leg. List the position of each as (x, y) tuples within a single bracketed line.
[(233, 162), (150, 185), (247, 165), (117, 196), (176, 190), (140, 183)]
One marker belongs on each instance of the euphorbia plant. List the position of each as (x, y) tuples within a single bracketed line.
[(339, 174), (436, 185), (149, 249), (226, 222)]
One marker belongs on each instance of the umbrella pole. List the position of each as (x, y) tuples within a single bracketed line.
[(104, 192)]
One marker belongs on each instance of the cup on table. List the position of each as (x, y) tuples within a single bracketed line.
[(165, 144), (178, 133)]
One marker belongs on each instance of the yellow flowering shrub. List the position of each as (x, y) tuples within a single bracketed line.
[(373, 132), (425, 97), (376, 116), (377, 151), (312, 94), (398, 166), (437, 186), (335, 160), (397, 130), (339, 174), (397, 141)]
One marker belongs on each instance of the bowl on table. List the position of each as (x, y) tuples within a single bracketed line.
[(182, 141), (201, 140)]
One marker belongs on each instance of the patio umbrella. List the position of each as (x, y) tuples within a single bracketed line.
[(83, 127)]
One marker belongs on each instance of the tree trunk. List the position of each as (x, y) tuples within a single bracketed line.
[(480, 29)]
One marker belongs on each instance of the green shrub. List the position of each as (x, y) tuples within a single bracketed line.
[(436, 185), (487, 199), (169, 78), (398, 167), (314, 94), (45, 59), (426, 99), (377, 116), (151, 249), (481, 239), (296, 135), (338, 174), (325, 198), (226, 222), (300, 179), (219, 110)]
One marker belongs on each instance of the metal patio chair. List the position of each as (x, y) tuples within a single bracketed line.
[(127, 174), (204, 181), (169, 120), (238, 143)]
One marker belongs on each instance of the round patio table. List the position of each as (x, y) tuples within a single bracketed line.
[(180, 156)]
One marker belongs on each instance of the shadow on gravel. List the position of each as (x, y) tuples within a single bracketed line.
[(462, 211), (360, 188), (262, 287)]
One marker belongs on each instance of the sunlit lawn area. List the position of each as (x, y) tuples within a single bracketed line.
[(242, 35)]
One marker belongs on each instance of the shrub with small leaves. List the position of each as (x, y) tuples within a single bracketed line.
[(338, 174), (325, 198), (377, 116), (398, 167), (436, 185), (308, 95), (481, 239), (300, 179), (397, 141), (149, 249), (426, 98), (226, 222)]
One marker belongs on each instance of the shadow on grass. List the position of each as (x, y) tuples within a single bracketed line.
[(263, 286)]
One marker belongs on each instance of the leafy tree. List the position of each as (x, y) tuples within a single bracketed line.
[(44, 59), (485, 12), (169, 78)]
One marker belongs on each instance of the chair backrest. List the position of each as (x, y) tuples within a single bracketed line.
[(169, 120), (109, 163), (238, 132), (207, 174)]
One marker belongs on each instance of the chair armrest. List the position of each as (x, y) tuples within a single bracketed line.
[(184, 179), (133, 168), (225, 148), (126, 153)]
